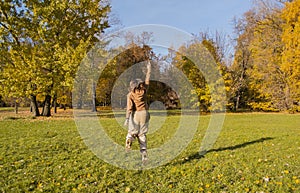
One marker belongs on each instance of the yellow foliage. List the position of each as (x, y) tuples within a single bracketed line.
[(291, 52)]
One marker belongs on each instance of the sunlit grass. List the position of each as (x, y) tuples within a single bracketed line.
[(254, 153)]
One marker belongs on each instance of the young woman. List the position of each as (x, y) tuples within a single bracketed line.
[(137, 115)]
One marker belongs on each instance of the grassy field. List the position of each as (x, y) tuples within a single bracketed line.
[(254, 153)]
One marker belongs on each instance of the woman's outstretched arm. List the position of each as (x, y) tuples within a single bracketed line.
[(147, 80)]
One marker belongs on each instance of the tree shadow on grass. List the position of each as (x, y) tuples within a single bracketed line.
[(241, 145), (200, 155)]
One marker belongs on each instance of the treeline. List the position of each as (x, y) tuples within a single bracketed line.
[(44, 42), (265, 74)]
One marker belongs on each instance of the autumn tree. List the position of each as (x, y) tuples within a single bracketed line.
[(44, 42), (265, 70), (291, 53), (267, 77), (133, 52), (207, 79), (260, 80), (239, 93)]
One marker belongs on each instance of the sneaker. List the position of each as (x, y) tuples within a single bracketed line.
[(128, 144), (144, 157)]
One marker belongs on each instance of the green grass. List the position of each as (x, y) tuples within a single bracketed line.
[(254, 153)]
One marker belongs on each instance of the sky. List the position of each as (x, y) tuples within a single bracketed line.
[(192, 16)]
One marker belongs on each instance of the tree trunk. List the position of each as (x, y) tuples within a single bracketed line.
[(16, 107), (287, 98), (47, 106), (94, 97), (34, 106), (54, 103), (237, 103)]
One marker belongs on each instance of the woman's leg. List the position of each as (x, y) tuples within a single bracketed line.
[(143, 120)]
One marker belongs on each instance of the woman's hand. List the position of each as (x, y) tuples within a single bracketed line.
[(126, 122)]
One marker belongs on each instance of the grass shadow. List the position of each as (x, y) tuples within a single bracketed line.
[(241, 145), (13, 118), (200, 155)]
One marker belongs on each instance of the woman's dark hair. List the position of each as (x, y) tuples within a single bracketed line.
[(135, 84)]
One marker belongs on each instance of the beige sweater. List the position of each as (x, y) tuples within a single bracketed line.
[(137, 99)]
